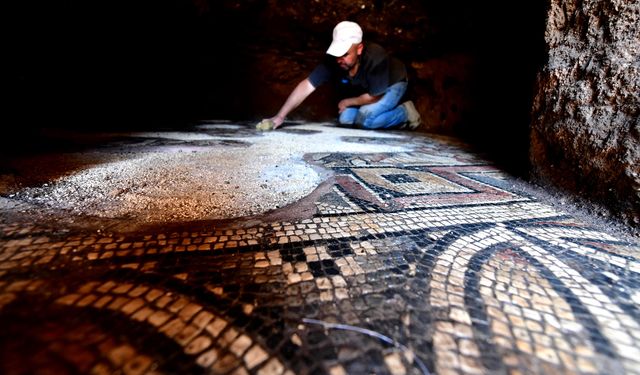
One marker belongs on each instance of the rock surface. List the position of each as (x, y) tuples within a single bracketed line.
[(586, 129)]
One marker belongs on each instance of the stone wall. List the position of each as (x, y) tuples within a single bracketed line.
[(585, 134)]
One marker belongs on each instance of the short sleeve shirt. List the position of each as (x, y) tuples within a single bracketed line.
[(378, 70)]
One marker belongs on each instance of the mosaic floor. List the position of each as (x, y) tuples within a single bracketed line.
[(419, 262)]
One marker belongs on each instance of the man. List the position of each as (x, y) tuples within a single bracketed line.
[(374, 82)]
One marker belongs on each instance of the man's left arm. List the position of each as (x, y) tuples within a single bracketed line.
[(357, 101)]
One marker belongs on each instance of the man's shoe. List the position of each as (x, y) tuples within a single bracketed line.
[(413, 116)]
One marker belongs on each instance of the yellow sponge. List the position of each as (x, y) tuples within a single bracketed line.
[(265, 125)]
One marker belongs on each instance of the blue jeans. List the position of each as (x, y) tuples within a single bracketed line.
[(383, 114)]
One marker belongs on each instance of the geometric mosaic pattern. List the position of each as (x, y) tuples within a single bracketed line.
[(414, 263)]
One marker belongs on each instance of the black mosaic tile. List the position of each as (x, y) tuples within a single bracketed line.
[(399, 178)]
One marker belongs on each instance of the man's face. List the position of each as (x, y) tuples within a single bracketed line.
[(349, 59)]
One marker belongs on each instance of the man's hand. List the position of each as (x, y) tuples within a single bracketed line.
[(344, 104), (297, 96), (277, 121), (363, 99)]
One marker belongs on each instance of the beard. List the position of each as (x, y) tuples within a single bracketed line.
[(346, 66)]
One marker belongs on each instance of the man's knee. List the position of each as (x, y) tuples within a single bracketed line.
[(364, 118), (345, 119)]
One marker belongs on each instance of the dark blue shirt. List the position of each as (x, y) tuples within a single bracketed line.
[(377, 71)]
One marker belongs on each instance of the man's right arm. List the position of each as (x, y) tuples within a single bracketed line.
[(297, 96)]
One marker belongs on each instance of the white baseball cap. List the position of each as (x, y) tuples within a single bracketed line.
[(345, 34)]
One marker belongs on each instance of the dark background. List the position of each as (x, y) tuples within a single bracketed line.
[(118, 65)]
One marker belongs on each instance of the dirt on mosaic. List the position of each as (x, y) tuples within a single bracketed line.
[(217, 171)]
